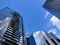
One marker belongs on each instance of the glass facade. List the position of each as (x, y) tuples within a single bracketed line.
[(14, 29), (42, 38), (53, 6)]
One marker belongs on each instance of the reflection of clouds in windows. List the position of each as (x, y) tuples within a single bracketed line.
[(3, 25), (38, 36), (55, 21), (58, 36)]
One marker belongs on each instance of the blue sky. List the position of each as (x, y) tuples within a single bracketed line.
[(35, 17)]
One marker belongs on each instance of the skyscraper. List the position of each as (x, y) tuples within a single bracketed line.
[(11, 29), (27, 40), (53, 6), (43, 38)]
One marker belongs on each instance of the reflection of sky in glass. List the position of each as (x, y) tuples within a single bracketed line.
[(35, 17)]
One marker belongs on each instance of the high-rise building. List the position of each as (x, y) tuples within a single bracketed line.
[(27, 41), (43, 38), (11, 28), (53, 6)]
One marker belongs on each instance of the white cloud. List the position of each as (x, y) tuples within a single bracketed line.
[(27, 34), (55, 21), (46, 14)]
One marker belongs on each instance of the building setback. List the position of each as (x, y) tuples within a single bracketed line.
[(43, 38), (13, 33), (53, 6)]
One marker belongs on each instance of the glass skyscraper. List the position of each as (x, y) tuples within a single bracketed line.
[(11, 28), (43, 38), (53, 6)]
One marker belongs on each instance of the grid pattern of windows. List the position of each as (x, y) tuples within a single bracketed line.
[(53, 6), (12, 34)]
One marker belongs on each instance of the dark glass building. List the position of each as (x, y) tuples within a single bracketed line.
[(27, 40), (13, 33), (53, 6)]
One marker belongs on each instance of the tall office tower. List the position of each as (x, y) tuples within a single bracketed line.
[(53, 6), (27, 41), (11, 28), (43, 38)]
